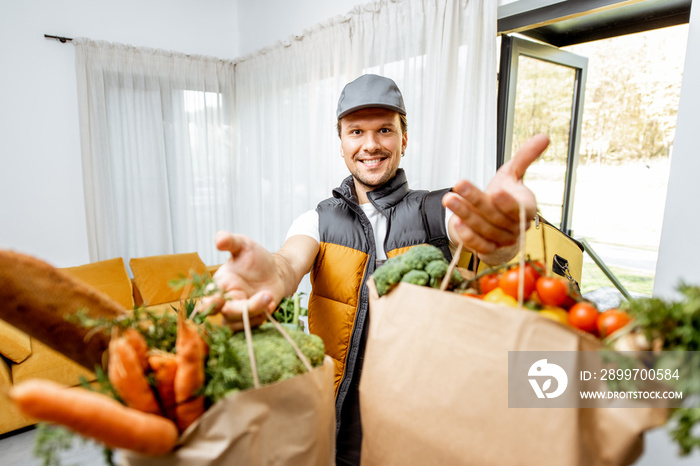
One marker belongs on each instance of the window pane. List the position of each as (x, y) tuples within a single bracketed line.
[(543, 105), (632, 95)]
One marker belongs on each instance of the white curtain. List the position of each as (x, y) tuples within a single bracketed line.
[(157, 149), (441, 53), (167, 165)]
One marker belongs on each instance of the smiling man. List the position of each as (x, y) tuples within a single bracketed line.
[(372, 144), (372, 215)]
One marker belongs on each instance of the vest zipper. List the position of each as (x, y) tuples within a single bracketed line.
[(362, 312)]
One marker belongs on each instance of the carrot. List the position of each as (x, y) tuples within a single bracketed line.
[(139, 344), (96, 416), (191, 350), (125, 372), (164, 366)]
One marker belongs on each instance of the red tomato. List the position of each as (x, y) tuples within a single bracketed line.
[(569, 301), (536, 268), (552, 290), (611, 321), (584, 316), (488, 282), (510, 279)]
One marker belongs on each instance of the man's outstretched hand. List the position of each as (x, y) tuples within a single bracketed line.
[(247, 279), (488, 222), (256, 279)]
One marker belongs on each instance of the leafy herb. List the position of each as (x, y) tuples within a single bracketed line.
[(201, 285), (676, 325), (159, 329), (100, 385), (221, 370), (684, 420), (289, 310), (51, 440)]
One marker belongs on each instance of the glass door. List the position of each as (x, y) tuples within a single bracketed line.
[(541, 90)]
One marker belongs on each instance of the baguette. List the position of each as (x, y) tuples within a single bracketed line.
[(36, 298)]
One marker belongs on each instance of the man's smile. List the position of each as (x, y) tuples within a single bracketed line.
[(371, 163)]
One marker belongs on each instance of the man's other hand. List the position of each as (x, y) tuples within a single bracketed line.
[(488, 222)]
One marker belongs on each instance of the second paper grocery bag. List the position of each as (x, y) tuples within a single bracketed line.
[(434, 389)]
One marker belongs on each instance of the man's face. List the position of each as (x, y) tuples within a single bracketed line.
[(372, 142)]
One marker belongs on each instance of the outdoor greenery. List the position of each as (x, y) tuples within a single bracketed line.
[(631, 99), (636, 282), (632, 95), (630, 108)]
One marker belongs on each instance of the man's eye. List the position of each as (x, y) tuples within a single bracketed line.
[(356, 131), (385, 130)]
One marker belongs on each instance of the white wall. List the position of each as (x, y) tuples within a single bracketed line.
[(42, 209), (264, 22), (679, 255)]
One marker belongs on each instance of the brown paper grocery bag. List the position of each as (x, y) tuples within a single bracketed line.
[(434, 389), (291, 422)]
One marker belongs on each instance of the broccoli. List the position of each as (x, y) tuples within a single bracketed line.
[(416, 277), (275, 358), (456, 278), (228, 365), (389, 274), (437, 270), (415, 259), (419, 256)]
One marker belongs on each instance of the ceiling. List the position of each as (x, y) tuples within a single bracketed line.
[(576, 21)]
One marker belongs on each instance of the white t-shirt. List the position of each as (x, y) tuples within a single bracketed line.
[(307, 224)]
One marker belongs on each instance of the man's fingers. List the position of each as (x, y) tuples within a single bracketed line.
[(472, 240), (506, 203), (257, 304), (237, 325), (226, 241), (216, 302), (528, 153), (467, 201)]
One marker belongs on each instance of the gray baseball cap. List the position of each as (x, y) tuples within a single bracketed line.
[(369, 91)]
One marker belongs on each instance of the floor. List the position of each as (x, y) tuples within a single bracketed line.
[(16, 449)]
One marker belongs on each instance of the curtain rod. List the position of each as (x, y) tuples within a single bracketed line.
[(63, 40)]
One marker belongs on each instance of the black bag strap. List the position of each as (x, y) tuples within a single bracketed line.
[(433, 214)]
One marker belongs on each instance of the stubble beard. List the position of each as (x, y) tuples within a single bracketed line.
[(359, 177)]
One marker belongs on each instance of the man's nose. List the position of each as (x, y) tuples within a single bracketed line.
[(370, 142)]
